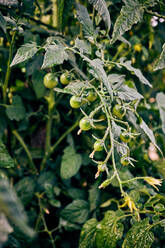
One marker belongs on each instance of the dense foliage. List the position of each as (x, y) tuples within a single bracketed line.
[(82, 123)]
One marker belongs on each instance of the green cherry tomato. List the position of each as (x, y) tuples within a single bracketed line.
[(75, 102), (85, 124), (125, 137), (124, 161), (98, 146), (92, 96), (118, 111), (65, 78), (50, 80)]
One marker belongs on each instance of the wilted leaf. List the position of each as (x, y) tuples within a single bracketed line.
[(84, 19), (13, 3), (149, 133), (101, 7), (160, 64), (71, 162), (139, 236), (130, 14), (138, 73), (109, 231), (24, 53), (73, 88), (55, 55), (83, 46), (160, 98), (16, 110), (128, 94), (97, 66), (88, 234)]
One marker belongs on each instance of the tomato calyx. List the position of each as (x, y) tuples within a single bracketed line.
[(124, 161), (125, 137)]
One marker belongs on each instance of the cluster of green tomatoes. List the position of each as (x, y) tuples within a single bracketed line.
[(85, 124)]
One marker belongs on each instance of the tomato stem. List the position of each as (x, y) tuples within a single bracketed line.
[(8, 72)]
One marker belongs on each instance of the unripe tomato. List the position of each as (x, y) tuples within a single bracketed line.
[(118, 111), (125, 137), (91, 96), (85, 124), (75, 102), (98, 146), (65, 78), (124, 161), (50, 80)]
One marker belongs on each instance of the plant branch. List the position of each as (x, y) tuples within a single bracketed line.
[(31, 163), (150, 12), (58, 142)]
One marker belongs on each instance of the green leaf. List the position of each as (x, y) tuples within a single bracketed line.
[(130, 14), (83, 46), (25, 189), (139, 236), (16, 110), (5, 160), (66, 11), (60, 9), (109, 231), (160, 64), (84, 19), (71, 162), (101, 7), (94, 196), (88, 234), (38, 86), (137, 72), (24, 53), (160, 98), (12, 207), (2, 23), (76, 212), (55, 55)]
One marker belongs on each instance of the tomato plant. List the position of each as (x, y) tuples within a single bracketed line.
[(104, 187)]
